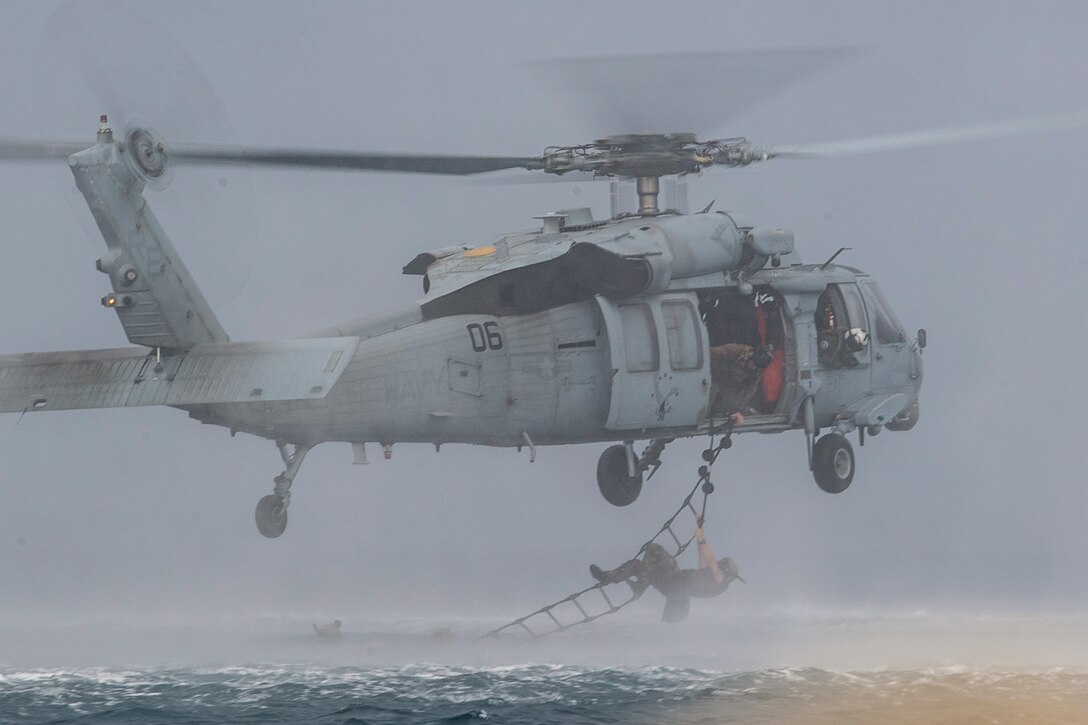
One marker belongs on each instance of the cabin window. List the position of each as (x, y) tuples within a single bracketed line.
[(681, 328), (639, 338)]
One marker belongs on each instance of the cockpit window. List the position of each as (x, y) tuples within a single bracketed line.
[(839, 313), (888, 328), (855, 309)]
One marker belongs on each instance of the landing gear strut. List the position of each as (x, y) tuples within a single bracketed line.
[(271, 513)]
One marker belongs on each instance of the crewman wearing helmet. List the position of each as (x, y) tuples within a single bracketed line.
[(837, 348)]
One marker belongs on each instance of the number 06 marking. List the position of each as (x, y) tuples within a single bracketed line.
[(485, 336)]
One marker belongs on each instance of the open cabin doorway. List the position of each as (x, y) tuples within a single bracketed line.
[(755, 320)]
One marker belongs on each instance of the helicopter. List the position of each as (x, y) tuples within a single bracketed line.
[(578, 330)]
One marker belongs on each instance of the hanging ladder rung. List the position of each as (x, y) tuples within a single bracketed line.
[(704, 478)]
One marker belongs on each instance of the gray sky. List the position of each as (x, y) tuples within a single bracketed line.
[(142, 513)]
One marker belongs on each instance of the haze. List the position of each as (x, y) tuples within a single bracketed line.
[(122, 516)]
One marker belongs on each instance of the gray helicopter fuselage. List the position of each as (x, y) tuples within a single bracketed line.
[(597, 368), (578, 331)]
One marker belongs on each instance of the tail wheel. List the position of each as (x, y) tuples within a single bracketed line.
[(271, 516), (833, 463), (617, 487)]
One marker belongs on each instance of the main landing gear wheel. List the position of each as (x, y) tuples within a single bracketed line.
[(271, 515), (618, 488), (833, 463)]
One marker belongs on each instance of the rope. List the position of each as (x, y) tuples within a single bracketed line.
[(710, 455)]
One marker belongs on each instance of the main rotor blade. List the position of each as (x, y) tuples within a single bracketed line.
[(668, 93), (348, 160), (32, 149), (38, 149), (507, 177), (931, 137)]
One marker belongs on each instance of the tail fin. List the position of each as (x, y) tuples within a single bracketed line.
[(156, 299)]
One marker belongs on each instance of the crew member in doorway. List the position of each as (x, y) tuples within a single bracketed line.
[(735, 370), (658, 568)]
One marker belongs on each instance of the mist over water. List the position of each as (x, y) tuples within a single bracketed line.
[(719, 668), (948, 583), (275, 671)]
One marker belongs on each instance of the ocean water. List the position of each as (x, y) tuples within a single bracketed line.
[(737, 670), (537, 693)]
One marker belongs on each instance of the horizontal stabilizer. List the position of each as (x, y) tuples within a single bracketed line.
[(226, 372)]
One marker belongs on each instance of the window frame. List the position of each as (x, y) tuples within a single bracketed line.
[(883, 315), (651, 328), (691, 317)]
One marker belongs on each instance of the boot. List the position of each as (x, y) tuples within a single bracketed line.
[(625, 570)]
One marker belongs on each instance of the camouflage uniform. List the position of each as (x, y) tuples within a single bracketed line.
[(733, 380), (658, 568)]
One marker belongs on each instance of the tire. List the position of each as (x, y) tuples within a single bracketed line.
[(271, 516), (833, 463), (615, 485), (905, 420)]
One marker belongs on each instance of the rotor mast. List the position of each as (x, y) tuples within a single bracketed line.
[(648, 188)]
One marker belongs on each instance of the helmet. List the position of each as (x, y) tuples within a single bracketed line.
[(729, 568), (856, 339)]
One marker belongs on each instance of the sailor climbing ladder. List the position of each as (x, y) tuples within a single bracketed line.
[(545, 619)]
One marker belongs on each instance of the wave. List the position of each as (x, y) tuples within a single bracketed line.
[(538, 692)]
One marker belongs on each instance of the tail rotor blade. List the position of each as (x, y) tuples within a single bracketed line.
[(108, 57)]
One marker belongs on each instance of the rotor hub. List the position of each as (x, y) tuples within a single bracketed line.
[(646, 157)]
